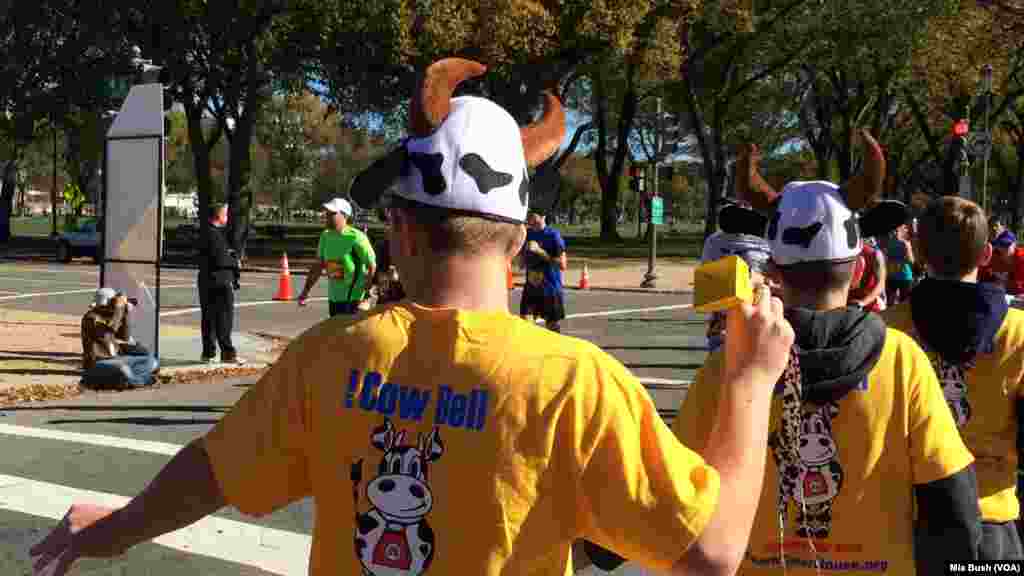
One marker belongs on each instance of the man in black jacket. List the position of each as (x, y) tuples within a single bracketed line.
[(218, 278)]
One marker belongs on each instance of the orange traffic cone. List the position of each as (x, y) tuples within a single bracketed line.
[(284, 287), (508, 278), (585, 278)]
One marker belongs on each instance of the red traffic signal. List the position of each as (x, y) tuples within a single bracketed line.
[(634, 171), (961, 128)]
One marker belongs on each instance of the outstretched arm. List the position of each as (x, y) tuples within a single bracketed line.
[(184, 492), (314, 274)]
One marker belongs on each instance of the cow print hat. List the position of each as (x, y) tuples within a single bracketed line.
[(466, 154), (818, 221)]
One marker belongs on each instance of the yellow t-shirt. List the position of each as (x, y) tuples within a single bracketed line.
[(858, 461), (986, 411), (459, 442)]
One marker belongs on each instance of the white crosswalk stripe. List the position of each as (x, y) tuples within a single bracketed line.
[(277, 551)]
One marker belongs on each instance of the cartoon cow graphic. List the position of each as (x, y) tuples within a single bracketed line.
[(953, 380), (813, 480), (393, 538)]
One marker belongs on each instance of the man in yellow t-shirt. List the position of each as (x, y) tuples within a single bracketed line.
[(861, 438), (432, 440), (976, 343)]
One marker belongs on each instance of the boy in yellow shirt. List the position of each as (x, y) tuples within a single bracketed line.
[(976, 344), (443, 435), (861, 438)]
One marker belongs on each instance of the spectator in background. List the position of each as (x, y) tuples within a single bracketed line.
[(110, 356), (900, 266), (345, 253), (995, 229), (544, 259), (868, 287), (386, 281), (219, 273), (741, 235), (1006, 268)]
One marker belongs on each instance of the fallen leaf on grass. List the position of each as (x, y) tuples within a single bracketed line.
[(38, 393), (204, 376)]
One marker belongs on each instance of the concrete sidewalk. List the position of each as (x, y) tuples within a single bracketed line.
[(40, 355)]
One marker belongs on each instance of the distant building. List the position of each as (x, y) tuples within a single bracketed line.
[(36, 203), (186, 205)]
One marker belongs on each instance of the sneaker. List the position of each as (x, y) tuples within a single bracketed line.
[(207, 359), (233, 360)]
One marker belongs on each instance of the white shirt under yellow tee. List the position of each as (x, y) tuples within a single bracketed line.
[(439, 441)]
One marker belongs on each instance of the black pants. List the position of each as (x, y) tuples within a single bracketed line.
[(217, 303), (343, 308), (1000, 542)]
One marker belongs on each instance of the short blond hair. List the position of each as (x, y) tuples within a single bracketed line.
[(952, 235), (449, 233)]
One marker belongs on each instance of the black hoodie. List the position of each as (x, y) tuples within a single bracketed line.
[(961, 331)]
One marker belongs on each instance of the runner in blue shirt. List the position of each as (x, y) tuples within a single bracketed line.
[(543, 256)]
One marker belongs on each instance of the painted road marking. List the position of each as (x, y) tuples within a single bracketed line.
[(269, 549), (50, 282), (184, 311), (162, 448), (619, 311), (615, 312), (653, 382), (92, 290)]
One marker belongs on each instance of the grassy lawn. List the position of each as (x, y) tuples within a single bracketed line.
[(681, 242)]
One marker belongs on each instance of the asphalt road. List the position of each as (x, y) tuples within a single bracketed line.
[(105, 447)]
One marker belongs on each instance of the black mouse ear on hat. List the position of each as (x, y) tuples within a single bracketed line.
[(544, 188), (883, 218), (368, 185), (734, 219)]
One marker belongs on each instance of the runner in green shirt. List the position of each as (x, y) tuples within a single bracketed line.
[(347, 257)]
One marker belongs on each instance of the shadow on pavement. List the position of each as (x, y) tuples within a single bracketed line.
[(679, 348), (672, 366), (662, 319), (141, 421), (27, 354), (41, 372)]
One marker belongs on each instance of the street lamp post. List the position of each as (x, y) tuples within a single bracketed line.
[(651, 277), (53, 194), (987, 86)]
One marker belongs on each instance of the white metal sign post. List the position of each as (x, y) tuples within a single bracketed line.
[(133, 175)]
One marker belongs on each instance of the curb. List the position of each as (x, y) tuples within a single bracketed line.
[(628, 290), (261, 270)]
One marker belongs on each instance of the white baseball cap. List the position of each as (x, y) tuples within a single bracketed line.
[(813, 224), (467, 154), (339, 205), (103, 296)]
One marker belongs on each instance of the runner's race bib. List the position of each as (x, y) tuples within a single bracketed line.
[(335, 270)]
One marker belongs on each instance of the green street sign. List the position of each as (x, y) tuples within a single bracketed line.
[(116, 87), (657, 211)]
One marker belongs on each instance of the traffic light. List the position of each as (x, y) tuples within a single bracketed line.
[(961, 128), (636, 178)]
